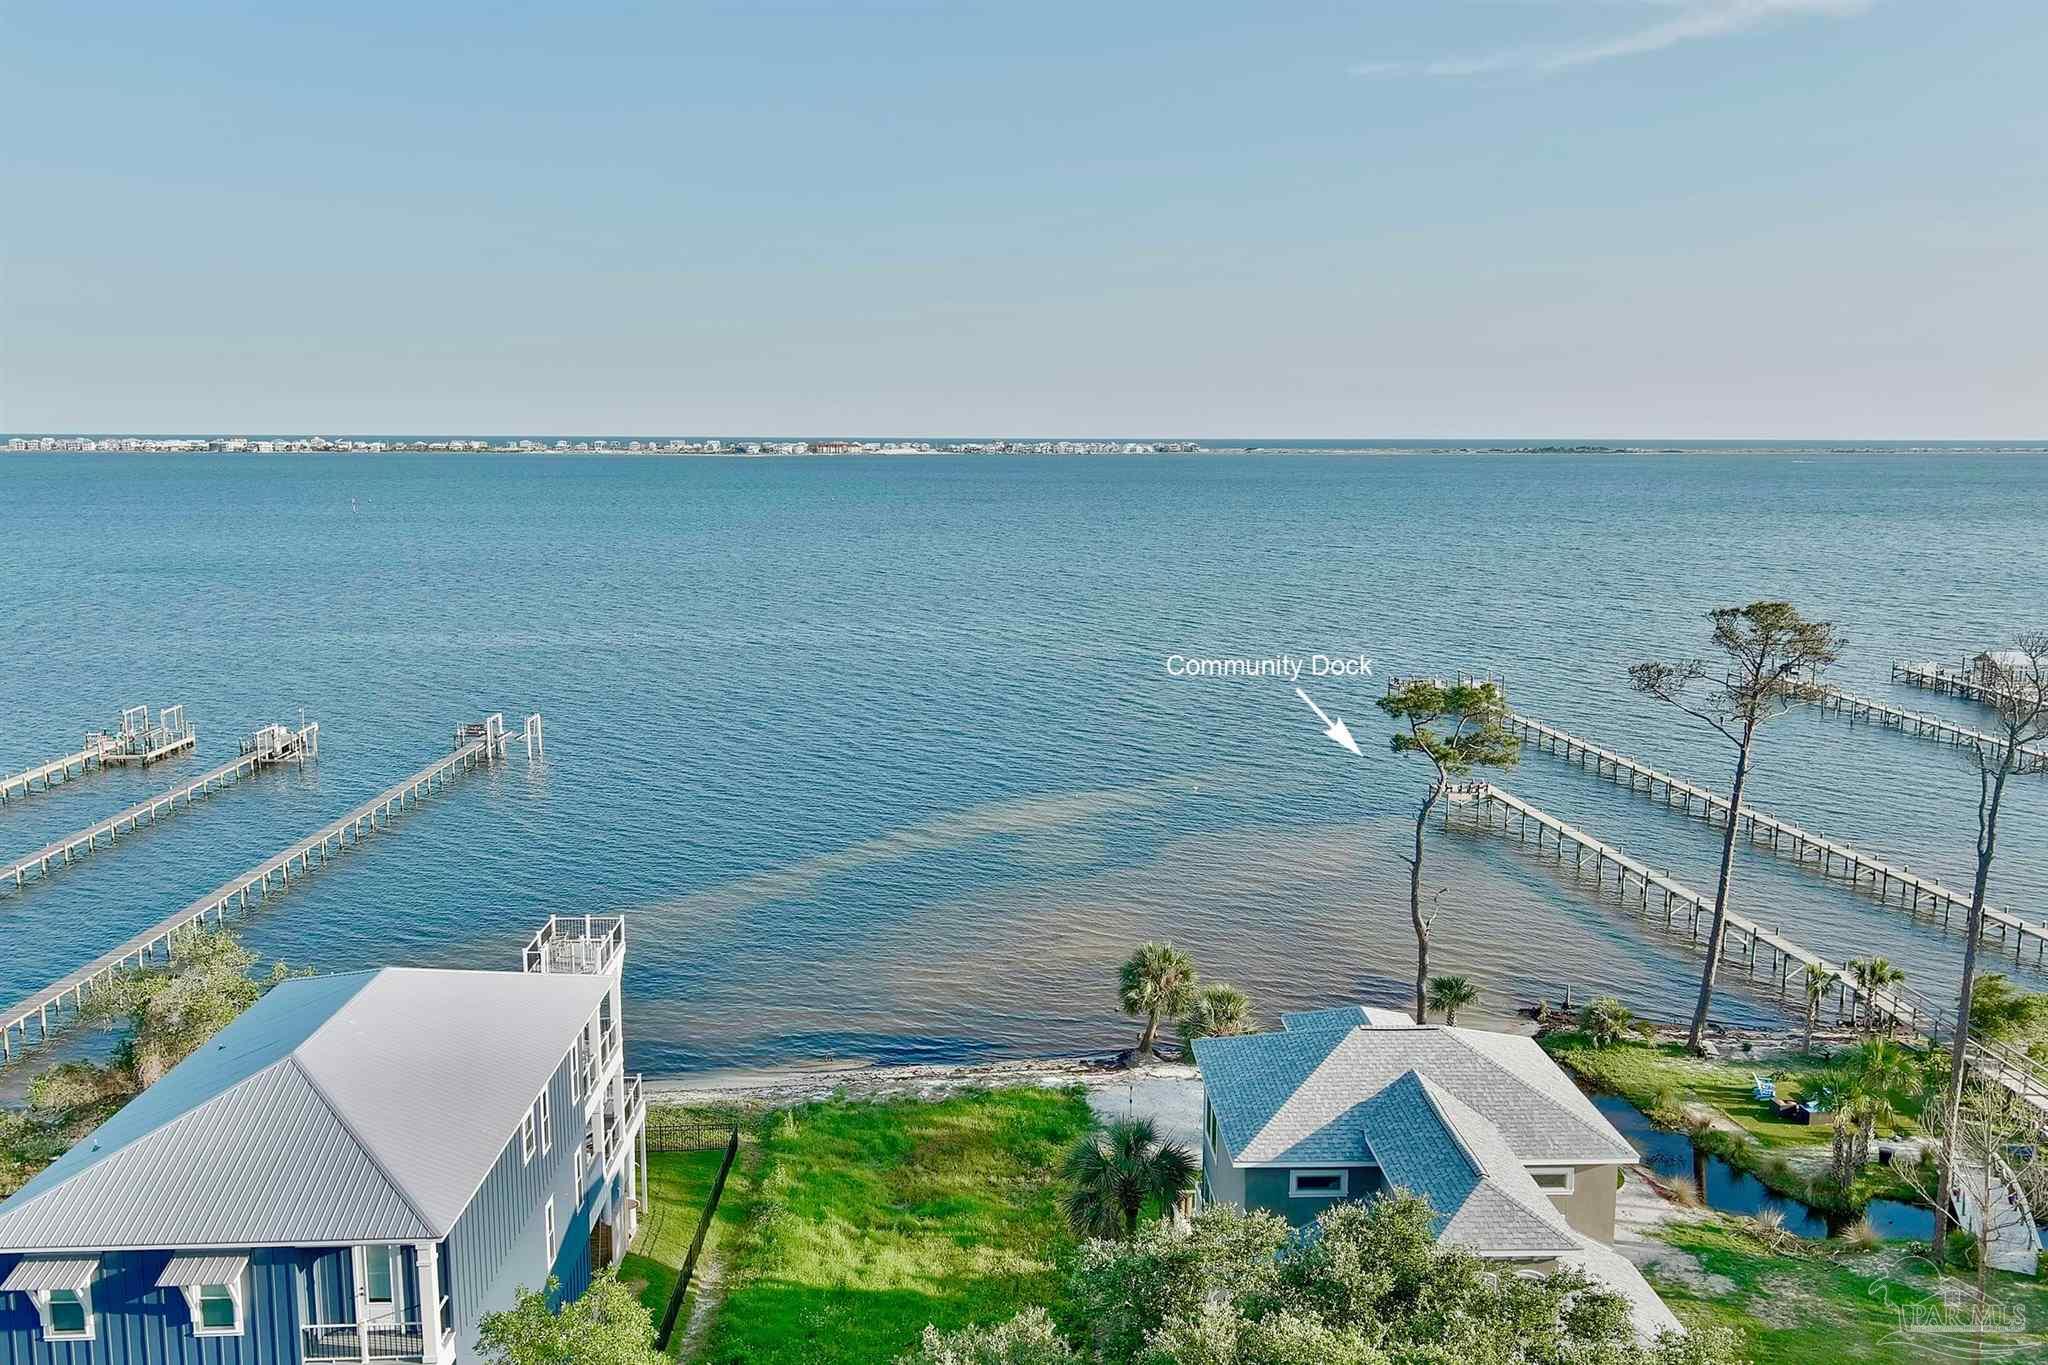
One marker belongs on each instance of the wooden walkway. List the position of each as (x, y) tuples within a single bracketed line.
[(1956, 680), (2033, 757), (1746, 941), (56, 770), (1915, 892), (38, 1017), (272, 745)]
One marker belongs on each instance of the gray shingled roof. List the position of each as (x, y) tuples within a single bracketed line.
[(361, 1107), (1432, 1144), (1347, 1016), (1292, 1098)]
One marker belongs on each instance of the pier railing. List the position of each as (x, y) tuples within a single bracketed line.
[(38, 1017), (56, 770)]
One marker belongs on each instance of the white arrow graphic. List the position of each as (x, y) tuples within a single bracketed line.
[(1335, 729)]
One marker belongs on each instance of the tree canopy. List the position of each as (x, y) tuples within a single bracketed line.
[(606, 1326), (1457, 726), (1370, 1286)]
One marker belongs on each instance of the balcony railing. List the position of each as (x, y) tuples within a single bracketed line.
[(617, 1122), (576, 943), (348, 1341)]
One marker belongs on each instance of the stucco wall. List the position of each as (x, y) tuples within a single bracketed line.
[(1589, 1208)]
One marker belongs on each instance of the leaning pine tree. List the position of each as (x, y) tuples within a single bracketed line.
[(1772, 657), (2017, 692), (1457, 727)]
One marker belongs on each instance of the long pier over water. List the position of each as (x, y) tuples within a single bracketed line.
[(1745, 940), (55, 770), (271, 745), (38, 1017), (2033, 758), (1916, 892)]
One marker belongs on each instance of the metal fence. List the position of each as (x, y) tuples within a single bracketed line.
[(693, 1135)]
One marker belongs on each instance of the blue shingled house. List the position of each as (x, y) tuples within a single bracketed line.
[(357, 1169)]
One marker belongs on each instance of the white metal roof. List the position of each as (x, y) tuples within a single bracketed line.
[(362, 1107), (34, 1274), (200, 1267)]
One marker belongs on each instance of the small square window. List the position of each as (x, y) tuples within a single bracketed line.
[(69, 1315), (218, 1309)]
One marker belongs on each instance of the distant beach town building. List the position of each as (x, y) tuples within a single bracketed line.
[(288, 445), (359, 1168)]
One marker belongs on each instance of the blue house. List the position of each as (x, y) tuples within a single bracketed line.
[(358, 1169)]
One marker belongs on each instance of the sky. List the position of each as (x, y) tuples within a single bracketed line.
[(1395, 218)]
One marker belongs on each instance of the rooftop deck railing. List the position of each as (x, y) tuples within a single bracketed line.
[(576, 943)]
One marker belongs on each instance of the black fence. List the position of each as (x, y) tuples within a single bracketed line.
[(674, 1133), (691, 1137)]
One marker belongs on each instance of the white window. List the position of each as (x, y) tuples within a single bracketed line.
[(1318, 1184), (217, 1309), (67, 1313), (548, 1223), (1557, 1180), (576, 1073), (526, 1129), (547, 1122), (576, 1159)]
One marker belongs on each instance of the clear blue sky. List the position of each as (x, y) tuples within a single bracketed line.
[(1389, 217)]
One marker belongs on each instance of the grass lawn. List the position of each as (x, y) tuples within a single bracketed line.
[(1661, 1078), (867, 1220), (678, 1184), (1809, 1306)]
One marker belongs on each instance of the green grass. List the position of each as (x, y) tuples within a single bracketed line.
[(678, 1184), (1660, 1079), (1811, 1305), (866, 1220)]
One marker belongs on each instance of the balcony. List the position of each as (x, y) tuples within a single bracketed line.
[(618, 1123), (584, 944), (348, 1341)]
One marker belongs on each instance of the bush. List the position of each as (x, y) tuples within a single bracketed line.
[(1862, 1235), (1027, 1339)]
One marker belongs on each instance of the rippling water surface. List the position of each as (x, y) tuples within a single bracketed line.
[(882, 755)]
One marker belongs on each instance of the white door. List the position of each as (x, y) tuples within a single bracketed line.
[(380, 1268)]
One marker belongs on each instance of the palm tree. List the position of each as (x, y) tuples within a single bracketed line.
[(1158, 979), (1876, 974), (1218, 1011), (1818, 979), (1115, 1170), (1866, 1088), (1451, 994)]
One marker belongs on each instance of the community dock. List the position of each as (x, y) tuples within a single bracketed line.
[(1746, 940), (274, 744), (1916, 892), (37, 1018), (1967, 680), (2033, 758)]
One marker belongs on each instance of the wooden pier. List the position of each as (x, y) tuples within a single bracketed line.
[(1965, 680), (37, 1018), (272, 745), (56, 770), (1915, 892), (1746, 941), (2033, 758)]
